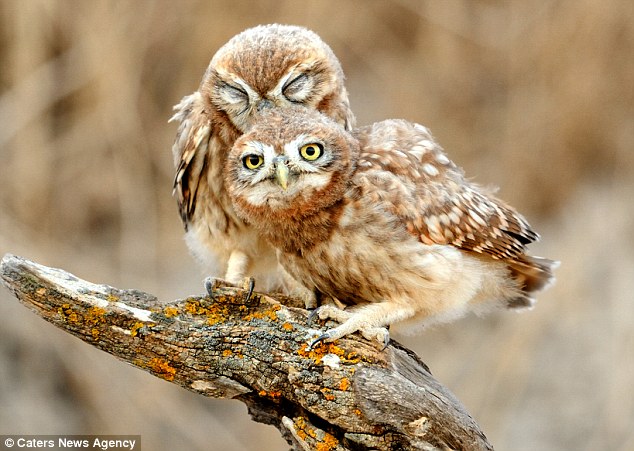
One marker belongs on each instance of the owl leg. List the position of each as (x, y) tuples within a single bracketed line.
[(236, 267)]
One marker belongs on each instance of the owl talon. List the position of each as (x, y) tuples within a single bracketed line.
[(314, 313), (213, 283), (382, 335), (318, 340), (251, 287)]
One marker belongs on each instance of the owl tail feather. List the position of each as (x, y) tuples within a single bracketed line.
[(532, 274)]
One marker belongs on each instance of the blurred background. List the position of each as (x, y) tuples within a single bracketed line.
[(536, 97)]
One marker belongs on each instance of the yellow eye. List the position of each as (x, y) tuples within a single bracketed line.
[(252, 161), (311, 151)]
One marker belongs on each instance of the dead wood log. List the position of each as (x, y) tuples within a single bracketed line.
[(346, 395)]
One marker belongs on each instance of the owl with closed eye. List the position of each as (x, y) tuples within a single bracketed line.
[(268, 67), (381, 221)]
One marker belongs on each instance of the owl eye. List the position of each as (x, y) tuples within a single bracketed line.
[(298, 89), (234, 93), (311, 151), (252, 161)]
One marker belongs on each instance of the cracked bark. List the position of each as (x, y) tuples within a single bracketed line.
[(346, 395)]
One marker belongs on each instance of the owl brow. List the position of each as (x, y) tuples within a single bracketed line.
[(253, 147)]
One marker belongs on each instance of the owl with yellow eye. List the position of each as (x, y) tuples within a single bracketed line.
[(381, 221)]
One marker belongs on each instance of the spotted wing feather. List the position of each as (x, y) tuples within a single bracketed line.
[(430, 195), (190, 151)]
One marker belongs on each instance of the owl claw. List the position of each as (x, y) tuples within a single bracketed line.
[(386, 340), (316, 341), (250, 288), (213, 283), (312, 315), (329, 311)]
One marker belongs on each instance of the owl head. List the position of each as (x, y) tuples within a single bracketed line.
[(293, 162), (275, 66)]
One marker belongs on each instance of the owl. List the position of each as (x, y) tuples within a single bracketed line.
[(268, 67), (382, 221)]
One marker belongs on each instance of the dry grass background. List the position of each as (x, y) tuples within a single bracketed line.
[(535, 97)]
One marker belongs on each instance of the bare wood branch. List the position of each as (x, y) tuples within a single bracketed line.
[(347, 395)]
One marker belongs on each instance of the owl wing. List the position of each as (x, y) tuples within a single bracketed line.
[(471, 220), (429, 193), (189, 149)]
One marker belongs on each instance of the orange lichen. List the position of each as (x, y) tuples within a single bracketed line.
[(287, 326), (353, 357), (270, 314), (218, 317), (311, 432), (94, 315), (69, 315), (323, 349), (325, 440), (344, 384), (328, 443), (215, 313), (194, 307), (162, 369), (300, 426), (320, 351), (357, 412), (270, 394), (327, 394), (227, 352), (134, 330), (170, 311), (112, 298)]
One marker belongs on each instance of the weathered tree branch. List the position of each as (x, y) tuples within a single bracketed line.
[(347, 395)]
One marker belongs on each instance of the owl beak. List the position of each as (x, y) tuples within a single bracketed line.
[(281, 175), (281, 171), (264, 104)]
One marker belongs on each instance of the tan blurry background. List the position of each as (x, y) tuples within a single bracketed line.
[(535, 97)]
